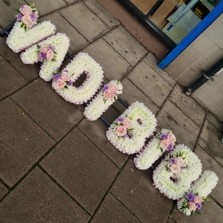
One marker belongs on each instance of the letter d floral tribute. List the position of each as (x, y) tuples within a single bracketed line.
[(179, 176)]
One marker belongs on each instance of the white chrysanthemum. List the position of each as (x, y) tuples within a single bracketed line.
[(19, 39), (80, 64), (99, 104), (60, 42), (140, 131), (181, 206), (194, 166), (205, 184), (162, 175), (162, 181), (149, 155)]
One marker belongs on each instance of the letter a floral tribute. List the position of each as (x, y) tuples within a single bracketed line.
[(179, 175)]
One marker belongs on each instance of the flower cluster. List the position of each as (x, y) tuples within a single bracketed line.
[(167, 140), (164, 141), (123, 127), (28, 16), (46, 53), (129, 136), (81, 64), (103, 100), (62, 80), (176, 165), (112, 90), (190, 203)]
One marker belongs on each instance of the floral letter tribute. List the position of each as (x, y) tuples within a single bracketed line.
[(193, 200), (25, 31), (177, 175), (162, 142)]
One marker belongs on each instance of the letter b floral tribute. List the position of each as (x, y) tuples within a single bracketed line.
[(179, 175)]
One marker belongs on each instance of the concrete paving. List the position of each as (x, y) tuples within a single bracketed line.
[(55, 166)]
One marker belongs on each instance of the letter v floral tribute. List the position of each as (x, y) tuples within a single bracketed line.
[(179, 175)]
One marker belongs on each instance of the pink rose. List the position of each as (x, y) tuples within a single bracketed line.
[(108, 94), (27, 20), (192, 206), (25, 10), (198, 200), (127, 123), (172, 138), (59, 84), (65, 76), (175, 168), (164, 144), (120, 130), (180, 162), (44, 50), (113, 88), (50, 54)]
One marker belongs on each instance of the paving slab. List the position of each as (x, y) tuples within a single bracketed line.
[(10, 79), (47, 108), (39, 199), (48, 6), (95, 131), (171, 221), (3, 191), (188, 106), (111, 114), (134, 188), (210, 213), (146, 79), (29, 72), (170, 117), (77, 41), (101, 12), (210, 164), (22, 142), (84, 20), (126, 45), (131, 94), (209, 141), (112, 211), (8, 10), (214, 121), (152, 61), (86, 172), (114, 66)]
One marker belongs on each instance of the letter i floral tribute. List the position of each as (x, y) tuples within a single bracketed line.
[(179, 175), (163, 141)]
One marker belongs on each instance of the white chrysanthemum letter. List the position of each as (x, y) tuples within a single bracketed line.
[(194, 199), (64, 82), (50, 53), (163, 141), (128, 133), (176, 172)]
